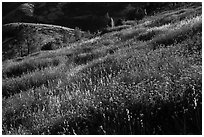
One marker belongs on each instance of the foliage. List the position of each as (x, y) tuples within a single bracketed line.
[(140, 79), (23, 67)]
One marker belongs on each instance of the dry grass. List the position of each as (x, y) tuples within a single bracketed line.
[(128, 91)]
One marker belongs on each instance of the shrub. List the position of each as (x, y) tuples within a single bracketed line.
[(119, 22), (134, 13), (131, 33), (47, 46), (83, 58), (146, 36), (77, 33)]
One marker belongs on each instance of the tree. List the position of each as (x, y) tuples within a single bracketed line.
[(27, 36), (77, 33), (109, 20)]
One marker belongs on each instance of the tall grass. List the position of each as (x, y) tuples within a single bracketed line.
[(133, 91), (131, 33), (138, 94), (179, 33), (18, 68), (12, 86)]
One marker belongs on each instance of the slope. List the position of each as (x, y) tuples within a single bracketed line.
[(21, 39), (142, 79)]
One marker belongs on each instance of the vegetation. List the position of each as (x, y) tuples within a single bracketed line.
[(141, 78)]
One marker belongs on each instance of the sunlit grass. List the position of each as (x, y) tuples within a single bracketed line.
[(180, 33), (11, 86), (18, 68), (118, 89)]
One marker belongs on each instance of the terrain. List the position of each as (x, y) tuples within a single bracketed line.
[(142, 77), (85, 15)]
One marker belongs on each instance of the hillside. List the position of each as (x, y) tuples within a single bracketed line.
[(143, 77), (22, 39), (85, 15)]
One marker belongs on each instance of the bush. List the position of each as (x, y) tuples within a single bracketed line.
[(137, 14), (119, 22), (47, 46), (77, 33), (146, 36), (83, 58), (131, 33)]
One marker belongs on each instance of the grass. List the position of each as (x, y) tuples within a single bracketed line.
[(174, 17), (114, 88), (125, 97), (31, 37), (131, 33), (15, 85), (179, 33), (18, 68), (124, 102)]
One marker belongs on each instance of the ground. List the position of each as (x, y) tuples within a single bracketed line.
[(140, 78)]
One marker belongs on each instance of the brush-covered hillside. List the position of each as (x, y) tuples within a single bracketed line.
[(141, 77), (85, 15), (22, 39)]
